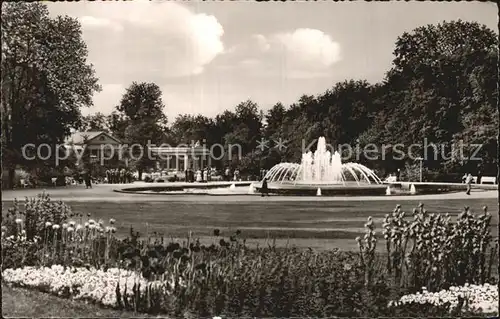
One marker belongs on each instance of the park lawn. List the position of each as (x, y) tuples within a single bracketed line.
[(18, 302), (315, 224)]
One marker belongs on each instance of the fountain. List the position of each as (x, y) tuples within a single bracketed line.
[(251, 189), (413, 190), (323, 169)]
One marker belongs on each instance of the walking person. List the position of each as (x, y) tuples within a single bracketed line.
[(479, 175), (88, 180), (264, 190), (122, 176), (468, 181)]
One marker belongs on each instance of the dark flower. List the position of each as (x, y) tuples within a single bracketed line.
[(238, 232), (173, 247), (216, 232), (145, 261), (177, 254), (153, 253), (201, 267)]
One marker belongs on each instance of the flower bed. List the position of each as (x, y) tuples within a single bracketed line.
[(79, 283), (50, 248), (477, 299)]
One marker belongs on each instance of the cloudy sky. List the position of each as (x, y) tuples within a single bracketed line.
[(209, 56)]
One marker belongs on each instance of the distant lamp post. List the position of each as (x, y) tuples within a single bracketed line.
[(421, 166)]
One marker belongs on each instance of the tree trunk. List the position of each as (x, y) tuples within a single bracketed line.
[(8, 182)]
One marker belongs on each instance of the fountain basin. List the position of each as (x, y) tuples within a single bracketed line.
[(303, 189), (181, 188)]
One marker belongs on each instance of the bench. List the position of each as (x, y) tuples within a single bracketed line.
[(488, 180)]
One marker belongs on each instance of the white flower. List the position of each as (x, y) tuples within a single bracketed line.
[(78, 227), (112, 221), (91, 221), (72, 223), (480, 299), (70, 229), (64, 226), (48, 224), (19, 221), (55, 226)]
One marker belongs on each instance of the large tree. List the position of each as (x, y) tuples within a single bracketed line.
[(442, 83), (140, 116), (241, 141), (95, 122), (188, 129), (46, 79)]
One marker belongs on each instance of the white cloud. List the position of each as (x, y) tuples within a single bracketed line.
[(310, 47), (262, 42), (165, 38), (93, 22), (302, 53)]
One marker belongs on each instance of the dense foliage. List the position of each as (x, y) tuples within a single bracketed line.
[(440, 91), (46, 80), (227, 277)]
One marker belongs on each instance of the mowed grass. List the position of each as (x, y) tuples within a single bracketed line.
[(315, 224), (22, 303)]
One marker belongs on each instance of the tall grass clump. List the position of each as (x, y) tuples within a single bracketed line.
[(430, 250)]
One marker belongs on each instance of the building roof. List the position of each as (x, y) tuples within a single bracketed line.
[(79, 137)]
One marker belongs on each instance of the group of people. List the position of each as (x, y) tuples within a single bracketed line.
[(118, 176), (204, 175), (235, 176)]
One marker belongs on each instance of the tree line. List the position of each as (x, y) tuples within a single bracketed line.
[(441, 87)]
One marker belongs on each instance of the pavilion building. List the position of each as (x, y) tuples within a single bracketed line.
[(101, 144)]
